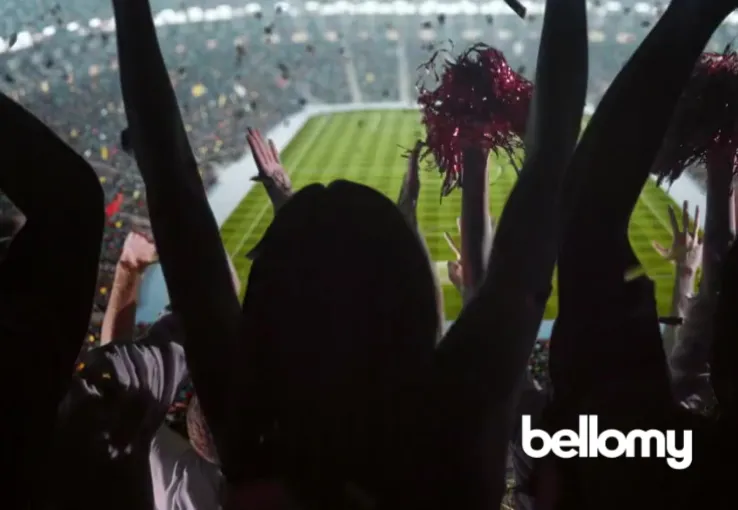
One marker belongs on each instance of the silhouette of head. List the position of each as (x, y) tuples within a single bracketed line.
[(340, 325)]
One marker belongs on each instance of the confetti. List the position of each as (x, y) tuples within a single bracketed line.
[(113, 207), (517, 7), (198, 90)]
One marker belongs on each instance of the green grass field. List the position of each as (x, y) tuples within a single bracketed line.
[(366, 147)]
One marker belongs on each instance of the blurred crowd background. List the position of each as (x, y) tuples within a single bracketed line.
[(253, 65)]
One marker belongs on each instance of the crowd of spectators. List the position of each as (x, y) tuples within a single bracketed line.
[(253, 70), (418, 406)]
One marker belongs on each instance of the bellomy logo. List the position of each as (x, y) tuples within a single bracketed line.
[(589, 442)]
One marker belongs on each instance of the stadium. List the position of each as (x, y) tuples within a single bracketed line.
[(335, 86), (360, 60)]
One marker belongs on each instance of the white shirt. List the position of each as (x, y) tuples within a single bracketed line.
[(182, 480)]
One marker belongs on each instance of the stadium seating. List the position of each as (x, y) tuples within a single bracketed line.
[(251, 65)]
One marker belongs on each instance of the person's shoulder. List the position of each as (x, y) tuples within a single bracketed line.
[(168, 328)]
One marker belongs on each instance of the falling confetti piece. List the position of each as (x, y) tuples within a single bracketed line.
[(45, 87), (74, 133), (136, 194), (103, 180), (103, 290), (113, 207), (198, 90), (80, 366), (118, 224), (104, 153), (222, 101), (106, 376)]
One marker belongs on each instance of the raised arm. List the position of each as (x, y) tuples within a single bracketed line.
[(689, 359), (724, 349), (718, 232), (608, 171), (476, 222), (186, 234), (407, 202), (685, 253), (47, 282), (483, 357), (119, 322)]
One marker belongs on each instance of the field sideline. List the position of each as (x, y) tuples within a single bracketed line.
[(366, 147)]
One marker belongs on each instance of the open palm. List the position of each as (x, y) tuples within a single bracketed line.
[(271, 171), (686, 248)]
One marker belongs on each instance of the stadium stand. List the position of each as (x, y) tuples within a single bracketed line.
[(59, 61), (239, 66)]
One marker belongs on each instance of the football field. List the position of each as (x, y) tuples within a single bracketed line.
[(367, 147)]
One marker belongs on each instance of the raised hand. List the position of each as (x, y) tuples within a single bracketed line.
[(271, 172), (410, 190), (139, 252), (455, 267), (686, 248)]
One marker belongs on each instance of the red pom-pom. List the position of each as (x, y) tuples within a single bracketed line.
[(480, 102), (705, 122)]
